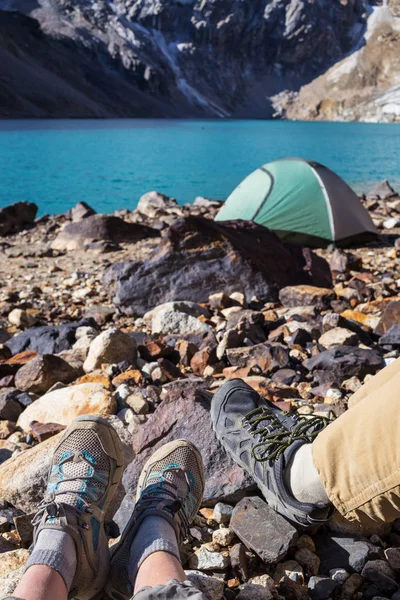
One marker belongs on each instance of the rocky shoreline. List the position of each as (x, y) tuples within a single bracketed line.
[(140, 316)]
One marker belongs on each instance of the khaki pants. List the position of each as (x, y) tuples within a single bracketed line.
[(358, 455)]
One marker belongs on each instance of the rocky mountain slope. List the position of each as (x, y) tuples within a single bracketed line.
[(168, 58), (364, 86)]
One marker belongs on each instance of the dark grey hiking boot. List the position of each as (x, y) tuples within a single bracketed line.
[(262, 439)]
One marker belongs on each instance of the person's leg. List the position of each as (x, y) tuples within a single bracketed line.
[(358, 455), (41, 583), (354, 461), (375, 383), (158, 569), (146, 560), (270, 445), (70, 553)]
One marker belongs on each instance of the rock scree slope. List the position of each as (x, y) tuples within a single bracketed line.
[(305, 329)]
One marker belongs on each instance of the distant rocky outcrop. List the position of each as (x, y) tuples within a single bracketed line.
[(364, 86), (167, 58)]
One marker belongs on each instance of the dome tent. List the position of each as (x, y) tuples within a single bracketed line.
[(302, 202)]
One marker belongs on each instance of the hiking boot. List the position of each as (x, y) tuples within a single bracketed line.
[(171, 486), (86, 469), (262, 439)]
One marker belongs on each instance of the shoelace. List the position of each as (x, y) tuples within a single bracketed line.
[(274, 438), (156, 492), (56, 509)]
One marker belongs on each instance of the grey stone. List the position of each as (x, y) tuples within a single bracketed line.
[(10, 410), (222, 513), (268, 356), (80, 211), (104, 228), (205, 560), (178, 323), (49, 339), (344, 552), (152, 203), (381, 575), (393, 557), (211, 587), (342, 362), (262, 530), (252, 591), (391, 337), (111, 346)]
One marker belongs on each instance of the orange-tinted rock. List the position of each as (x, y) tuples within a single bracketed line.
[(132, 376), (233, 372), (154, 350), (22, 358), (365, 319), (99, 377), (201, 359)]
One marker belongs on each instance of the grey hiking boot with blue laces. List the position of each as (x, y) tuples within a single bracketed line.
[(86, 469), (262, 439), (170, 486)]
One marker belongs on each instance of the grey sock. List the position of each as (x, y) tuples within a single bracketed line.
[(56, 550), (302, 478), (155, 534)]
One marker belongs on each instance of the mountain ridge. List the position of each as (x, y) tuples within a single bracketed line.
[(162, 58)]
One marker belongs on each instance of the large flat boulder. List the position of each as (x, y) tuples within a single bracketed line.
[(198, 257), (16, 216), (64, 405), (185, 415), (77, 235)]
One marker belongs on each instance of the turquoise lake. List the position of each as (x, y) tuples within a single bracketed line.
[(110, 164)]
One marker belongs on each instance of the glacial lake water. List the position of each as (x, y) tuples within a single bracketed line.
[(111, 163)]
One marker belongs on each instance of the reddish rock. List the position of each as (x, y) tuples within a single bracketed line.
[(41, 373), (202, 359), (44, 431), (268, 356), (169, 369), (98, 377), (390, 317), (292, 590), (154, 350), (306, 295), (186, 352)]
